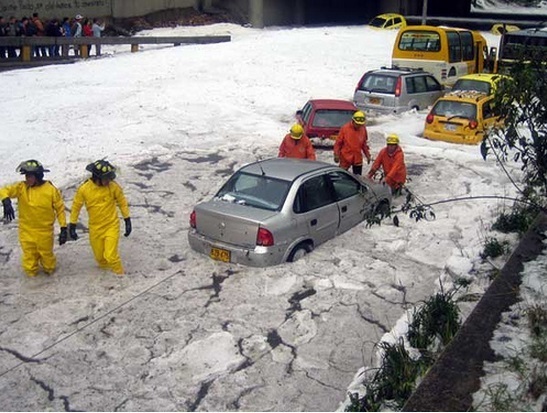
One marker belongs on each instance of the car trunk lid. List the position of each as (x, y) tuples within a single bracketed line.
[(230, 222)]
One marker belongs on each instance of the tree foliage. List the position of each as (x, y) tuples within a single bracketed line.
[(521, 101)]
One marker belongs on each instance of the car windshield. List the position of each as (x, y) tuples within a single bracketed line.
[(379, 83), (450, 109), (329, 118), (469, 84), (377, 22), (254, 190)]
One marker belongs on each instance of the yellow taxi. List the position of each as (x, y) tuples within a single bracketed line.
[(461, 117), (501, 29), (480, 82), (389, 21)]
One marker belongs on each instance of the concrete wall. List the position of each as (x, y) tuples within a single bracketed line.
[(90, 8), (132, 8)]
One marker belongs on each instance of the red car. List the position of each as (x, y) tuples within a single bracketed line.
[(323, 118)]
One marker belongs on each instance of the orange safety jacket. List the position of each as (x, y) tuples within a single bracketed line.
[(296, 148), (393, 166), (351, 144)]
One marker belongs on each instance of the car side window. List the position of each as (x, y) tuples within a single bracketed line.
[(396, 20), (419, 84), (344, 185), (432, 84), (306, 113), (312, 194), (409, 85)]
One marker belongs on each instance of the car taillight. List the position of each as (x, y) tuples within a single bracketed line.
[(193, 219), (264, 237), (429, 118), (398, 87), (473, 124)]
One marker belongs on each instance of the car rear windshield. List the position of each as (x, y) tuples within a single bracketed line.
[(450, 109), (379, 83), (255, 190), (469, 84), (328, 118)]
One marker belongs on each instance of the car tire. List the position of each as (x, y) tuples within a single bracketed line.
[(299, 251), (382, 209)]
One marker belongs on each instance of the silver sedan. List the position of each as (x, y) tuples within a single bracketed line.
[(280, 209)]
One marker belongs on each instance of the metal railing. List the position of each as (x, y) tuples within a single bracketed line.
[(80, 45)]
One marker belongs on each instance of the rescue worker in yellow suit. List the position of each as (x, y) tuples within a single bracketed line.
[(40, 202), (101, 195)]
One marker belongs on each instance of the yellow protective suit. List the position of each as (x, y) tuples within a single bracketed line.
[(104, 224), (38, 206)]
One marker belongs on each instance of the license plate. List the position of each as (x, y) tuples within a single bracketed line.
[(220, 255), (450, 127), (375, 101)]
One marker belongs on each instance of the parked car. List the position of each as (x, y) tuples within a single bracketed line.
[(323, 118), (501, 29), (390, 21), (280, 209), (461, 117), (480, 82), (395, 90)]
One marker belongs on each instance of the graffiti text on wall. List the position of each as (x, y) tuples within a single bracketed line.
[(28, 7)]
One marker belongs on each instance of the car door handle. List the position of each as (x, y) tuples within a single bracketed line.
[(344, 208), (313, 222)]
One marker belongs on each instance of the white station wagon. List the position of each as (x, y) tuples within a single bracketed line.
[(280, 209)]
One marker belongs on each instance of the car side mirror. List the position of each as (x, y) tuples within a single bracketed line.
[(299, 112)]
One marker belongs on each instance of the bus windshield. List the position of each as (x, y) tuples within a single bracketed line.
[(420, 41)]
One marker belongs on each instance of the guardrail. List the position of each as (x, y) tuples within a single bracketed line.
[(81, 44)]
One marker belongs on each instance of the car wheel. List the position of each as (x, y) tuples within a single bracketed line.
[(416, 108), (382, 209), (299, 251)]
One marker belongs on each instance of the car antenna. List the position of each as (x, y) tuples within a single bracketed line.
[(258, 160)]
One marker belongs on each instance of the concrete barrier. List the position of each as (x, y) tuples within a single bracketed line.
[(452, 380)]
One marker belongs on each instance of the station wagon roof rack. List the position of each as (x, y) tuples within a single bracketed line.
[(404, 68)]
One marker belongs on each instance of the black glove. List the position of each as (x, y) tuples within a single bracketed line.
[(127, 227), (63, 236), (72, 231), (9, 213)]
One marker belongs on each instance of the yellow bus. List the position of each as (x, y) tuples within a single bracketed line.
[(446, 52)]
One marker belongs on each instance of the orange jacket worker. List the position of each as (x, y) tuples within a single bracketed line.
[(296, 145), (392, 160), (351, 143)]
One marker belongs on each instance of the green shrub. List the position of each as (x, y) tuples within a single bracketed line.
[(438, 318), (493, 248), (518, 220)]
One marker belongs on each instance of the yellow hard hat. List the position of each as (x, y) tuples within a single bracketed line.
[(392, 139), (297, 131), (359, 117)]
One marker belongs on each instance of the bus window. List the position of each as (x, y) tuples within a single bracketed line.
[(454, 47), (468, 51)]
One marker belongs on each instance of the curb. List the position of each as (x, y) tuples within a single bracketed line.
[(455, 376)]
